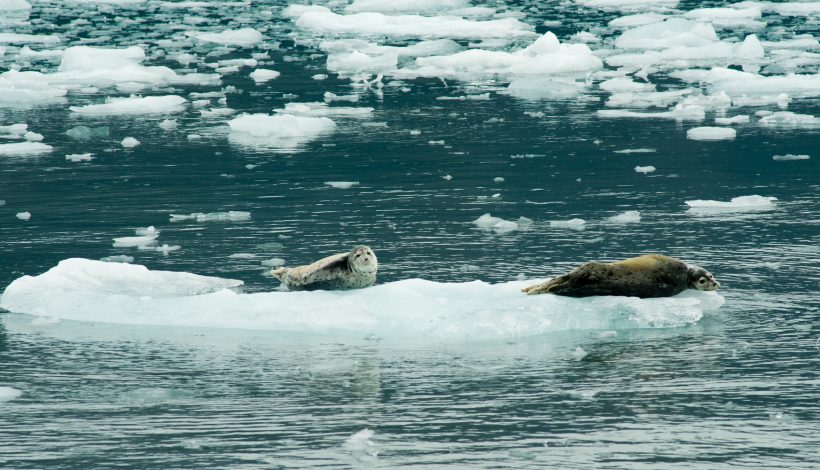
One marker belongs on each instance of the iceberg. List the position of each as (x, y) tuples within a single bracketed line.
[(90, 290)]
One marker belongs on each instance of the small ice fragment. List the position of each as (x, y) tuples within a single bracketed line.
[(579, 353), (33, 136), (741, 203), (25, 148), (342, 184), (498, 179), (608, 334), (194, 136), (790, 157), (627, 217), (230, 216), (739, 119), (264, 75), (496, 196), (447, 177), (711, 133), (645, 169), (319, 76), (87, 133), (9, 393), (150, 230), (23, 215), (168, 124), (133, 105), (435, 142), (118, 259), (129, 242), (415, 132), (641, 150), (129, 142), (273, 262), (242, 256), (79, 157), (164, 249), (576, 224)]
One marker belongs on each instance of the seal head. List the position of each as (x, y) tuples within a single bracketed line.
[(702, 279), (362, 260)]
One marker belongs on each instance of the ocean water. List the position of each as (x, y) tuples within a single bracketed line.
[(442, 363)]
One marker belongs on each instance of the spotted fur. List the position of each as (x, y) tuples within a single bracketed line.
[(645, 276), (353, 270)]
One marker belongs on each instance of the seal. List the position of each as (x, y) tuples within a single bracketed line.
[(645, 276), (352, 270)]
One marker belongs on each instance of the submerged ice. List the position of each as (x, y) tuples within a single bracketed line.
[(87, 290)]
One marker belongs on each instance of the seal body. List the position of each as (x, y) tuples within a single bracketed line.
[(645, 276), (352, 270)]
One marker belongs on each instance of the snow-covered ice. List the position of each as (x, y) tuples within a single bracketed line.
[(87, 290)]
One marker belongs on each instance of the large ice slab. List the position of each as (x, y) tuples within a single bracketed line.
[(87, 290), (736, 204), (134, 105), (284, 131)]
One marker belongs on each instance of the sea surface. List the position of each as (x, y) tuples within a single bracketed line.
[(736, 386)]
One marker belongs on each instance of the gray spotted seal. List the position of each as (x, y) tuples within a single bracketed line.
[(352, 270), (645, 276)]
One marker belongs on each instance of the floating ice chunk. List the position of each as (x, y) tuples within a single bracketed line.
[(150, 230), (134, 105), (165, 248), (629, 5), (790, 157), (118, 259), (405, 6), (711, 133), (362, 449), (79, 157), (628, 217), (13, 5), (640, 150), (16, 38), (727, 121), (790, 119), (499, 225), (322, 109), (9, 393), (23, 215), (25, 148), (357, 62), (33, 136), (737, 83), (264, 75), (229, 216), (741, 203), (342, 184), (283, 131), (129, 142), (87, 133), (14, 130), (245, 37), (727, 17), (575, 224), (273, 262), (323, 21), (638, 19), (645, 169), (798, 8), (579, 353), (679, 112), (585, 36), (781, 100), (86, 290), (625, 84), (168, 124), (538, 88), (130, 242), (669, 33)]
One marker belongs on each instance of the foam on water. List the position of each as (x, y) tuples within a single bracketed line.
[(88, 290)]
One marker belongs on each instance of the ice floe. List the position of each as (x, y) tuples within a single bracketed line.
[(129, 142), (245, 37), (645, 169), (264, 75), (23, 215), (87, 290), (726, 121), (736, 204), (575, 224), (79, 157), (9, 393), (229, 216), (629, 5), (790, 157), (25, 148), (711, 133), (628, 217), (134, 105), (284, 131), (790, 119), (499, 225), (342, 184)]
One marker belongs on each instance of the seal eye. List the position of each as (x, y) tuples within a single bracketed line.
[(702, 280)]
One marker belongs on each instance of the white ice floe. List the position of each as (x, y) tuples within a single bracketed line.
[(79, 157), (137, 241), (245, 37), (737, 83), (264, 75), (168, 124), (668, 33), (86, 290), (499, 225), (628, 217), (284, 131), (129, 142), (737, 204), (640, 150), (405, 6), (17, 38), (117, 259), (790, 157), (25, 148), (638, 19), (229, 216), (322, 20), (629, 5), (273, 262), (318, 108), (23, 215), (790, 119), (647, 99), (711, 133), (728, 17), (134, 105), (575, 224), (645, 169), (342, 184), (625, 84), (9, 393), (679, 112), (726, 121)]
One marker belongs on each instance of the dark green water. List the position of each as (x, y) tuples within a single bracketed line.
[(738, 387)]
